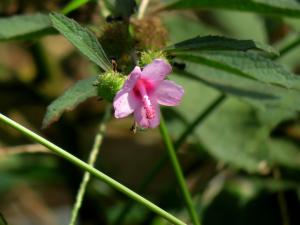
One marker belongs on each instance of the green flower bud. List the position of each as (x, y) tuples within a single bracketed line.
[(109, 84), (148, 56)]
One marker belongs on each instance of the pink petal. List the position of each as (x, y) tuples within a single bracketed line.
[(169, 93), (157, 70), (143, 121), (132, 78), (124, 101)]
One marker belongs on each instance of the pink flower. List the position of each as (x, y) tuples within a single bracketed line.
[(144, 91)]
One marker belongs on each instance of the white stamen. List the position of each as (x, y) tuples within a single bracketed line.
[(150, 112)]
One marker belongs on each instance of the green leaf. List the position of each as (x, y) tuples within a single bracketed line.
[(81, 38), (287, 8), (284, 153), (246, 64), (220, 43), (231, 133), (259, 94), (75, 95), (242, 142), (24, 27)]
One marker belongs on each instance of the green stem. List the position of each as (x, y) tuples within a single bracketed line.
[(178, 172), (162, 161), (91, 161), (101, 176), (288, 48), (73, 5)]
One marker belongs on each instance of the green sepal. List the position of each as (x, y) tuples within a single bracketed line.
[(148, 56), (109, 84)]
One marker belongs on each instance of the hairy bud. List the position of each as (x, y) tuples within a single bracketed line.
[(109, 84)]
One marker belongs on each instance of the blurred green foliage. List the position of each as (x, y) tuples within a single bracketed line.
[(242, 162)]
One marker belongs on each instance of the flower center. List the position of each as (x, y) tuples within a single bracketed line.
[(141, 90)]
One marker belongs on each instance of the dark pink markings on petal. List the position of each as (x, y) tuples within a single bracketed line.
[(144, 90)]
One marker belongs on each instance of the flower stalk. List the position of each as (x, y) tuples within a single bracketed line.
[(98, 174), (178, 172), (149, 177)]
